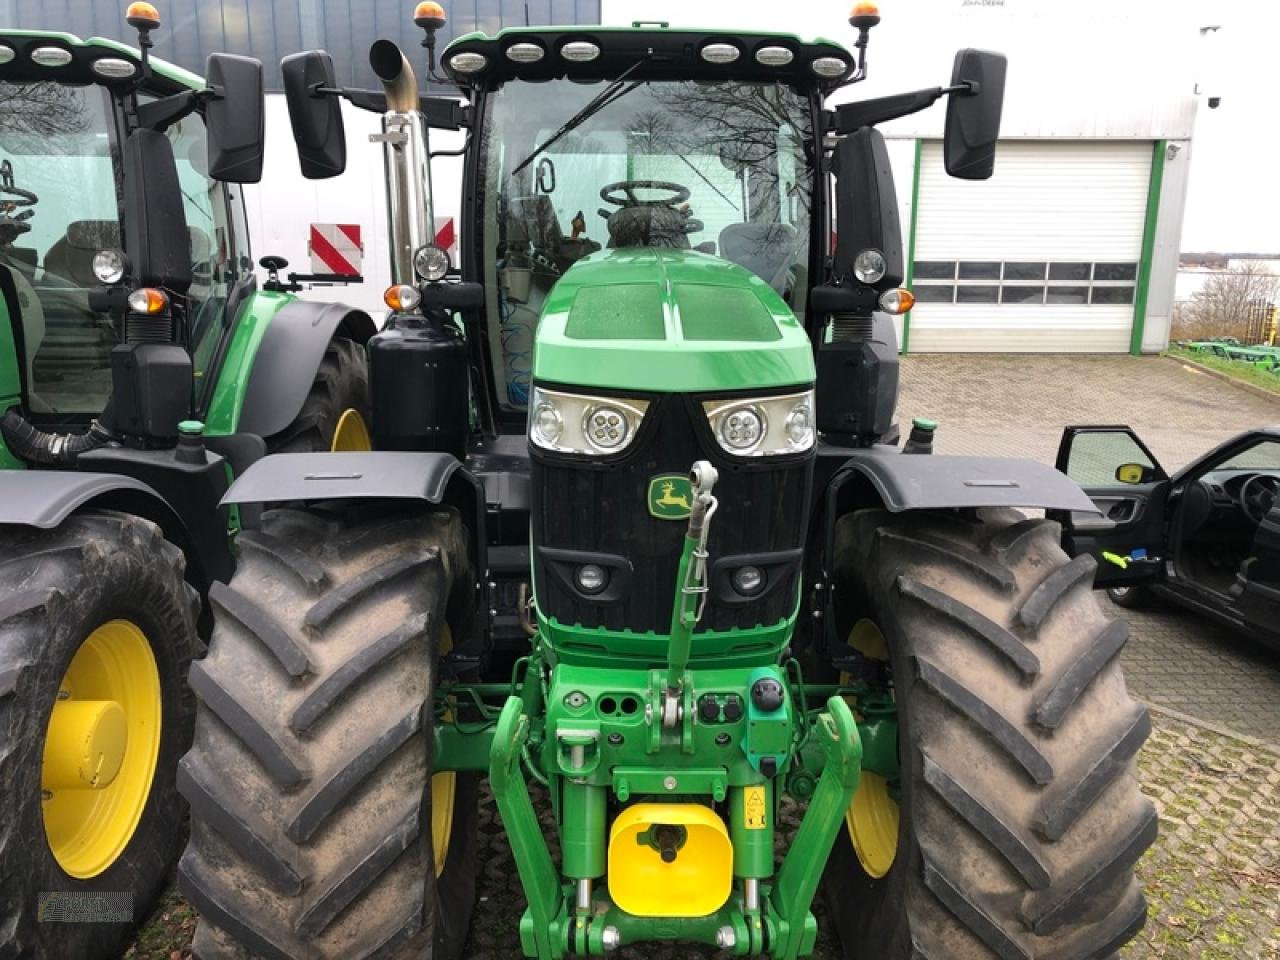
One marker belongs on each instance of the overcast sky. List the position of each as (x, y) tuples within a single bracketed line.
[(1233, 200)]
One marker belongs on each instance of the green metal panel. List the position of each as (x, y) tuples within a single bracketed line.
[(10, 383), (251, 325), (1148, 246), (718, 300), (911, 242)]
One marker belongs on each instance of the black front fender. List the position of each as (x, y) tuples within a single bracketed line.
[(934, 482), (289, 356)]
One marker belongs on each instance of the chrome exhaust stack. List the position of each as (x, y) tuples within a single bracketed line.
[(405, 156)]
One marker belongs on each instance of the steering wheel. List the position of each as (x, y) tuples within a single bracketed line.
[(678, 193), (1258, 495)]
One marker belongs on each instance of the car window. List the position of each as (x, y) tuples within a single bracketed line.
[(1263, 455), (1096, 455)]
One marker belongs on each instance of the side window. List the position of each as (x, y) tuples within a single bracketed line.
[(1097, 456), (213, 263)]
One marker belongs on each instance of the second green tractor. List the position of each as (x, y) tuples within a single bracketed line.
[(641, 543)]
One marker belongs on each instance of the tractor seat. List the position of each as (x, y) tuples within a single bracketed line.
[(70, 259), (648, 226), (532, 220), (763, 248)]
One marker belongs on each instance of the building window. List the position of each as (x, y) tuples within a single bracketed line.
[(1024, 282)]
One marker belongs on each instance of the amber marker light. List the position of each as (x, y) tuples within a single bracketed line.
[(864, 15), (429, 15), (401, 297), (142, 16), (149, 301), (897, 301)]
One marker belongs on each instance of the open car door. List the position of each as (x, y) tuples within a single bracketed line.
[(1130, 490)]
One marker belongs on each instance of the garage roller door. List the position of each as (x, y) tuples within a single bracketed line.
[(1043, 257)]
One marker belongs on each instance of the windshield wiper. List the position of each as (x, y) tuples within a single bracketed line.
[(614, 91)]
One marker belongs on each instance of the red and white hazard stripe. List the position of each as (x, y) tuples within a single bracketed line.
[(336, 248)]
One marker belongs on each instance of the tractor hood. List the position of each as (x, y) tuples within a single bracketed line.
[(668, 321)]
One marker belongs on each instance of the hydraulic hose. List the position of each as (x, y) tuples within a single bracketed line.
[(50, 449)]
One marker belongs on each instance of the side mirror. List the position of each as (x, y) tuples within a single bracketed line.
[(316, 118), (866, 206), (156, 236), (1135, 473), (973, 119), (234, 118)]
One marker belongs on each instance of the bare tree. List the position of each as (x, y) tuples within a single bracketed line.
[(1228, 305)]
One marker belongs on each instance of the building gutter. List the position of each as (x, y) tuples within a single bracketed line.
[(911, 243), (1148, 246)]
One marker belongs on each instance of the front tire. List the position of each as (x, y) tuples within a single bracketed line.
[(309, 779), (1021, 818), (96, 623), (1131, 598)]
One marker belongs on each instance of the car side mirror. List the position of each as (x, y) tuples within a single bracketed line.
[(866, 207), (973, 117), (235, 118), (1135, 473), (316, 118), (155, 236)]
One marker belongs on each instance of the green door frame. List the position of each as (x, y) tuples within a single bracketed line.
[(1154, 185)]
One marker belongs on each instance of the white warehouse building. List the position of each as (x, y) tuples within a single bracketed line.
[(1072, 246)]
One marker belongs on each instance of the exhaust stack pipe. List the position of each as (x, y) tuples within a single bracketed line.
[(405, 156)]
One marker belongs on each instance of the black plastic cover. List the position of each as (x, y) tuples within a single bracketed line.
[(866, 207), (150, 389), (973, 119), (155, 225)]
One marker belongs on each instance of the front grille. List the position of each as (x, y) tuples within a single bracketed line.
[(593, 507)]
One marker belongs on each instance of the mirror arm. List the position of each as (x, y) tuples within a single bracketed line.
[(161, 114), (849, 117), (441, 113)]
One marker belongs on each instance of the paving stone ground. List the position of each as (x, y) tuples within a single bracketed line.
[(1213, 876)]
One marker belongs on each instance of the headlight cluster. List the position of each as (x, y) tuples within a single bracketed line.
[(573, 423), (752, 427), (763, 426)]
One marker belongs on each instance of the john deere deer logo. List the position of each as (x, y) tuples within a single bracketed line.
[(670, 496)]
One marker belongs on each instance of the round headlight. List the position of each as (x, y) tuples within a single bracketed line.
[(799, 427), (869, 266), (524, 52), (547, 424), (580, 51), (431, 263), (748, 581), (829, 67), (592, 578), (113, 68), (51, 56), (774, 56), (109, 266), (606, 427), (468, 62), (720, 53), (742, 429), (7, 53)]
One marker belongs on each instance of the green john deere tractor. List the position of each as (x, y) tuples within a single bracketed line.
[(637, 538), (129, 313)]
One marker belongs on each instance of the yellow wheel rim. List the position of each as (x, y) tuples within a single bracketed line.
[(872, 817), (100, 749), (444, 787), (351, 435)]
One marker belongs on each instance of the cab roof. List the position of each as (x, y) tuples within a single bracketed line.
[(668, 54), (166, 77)]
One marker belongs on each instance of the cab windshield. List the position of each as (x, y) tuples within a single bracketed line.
[(724, 168)]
